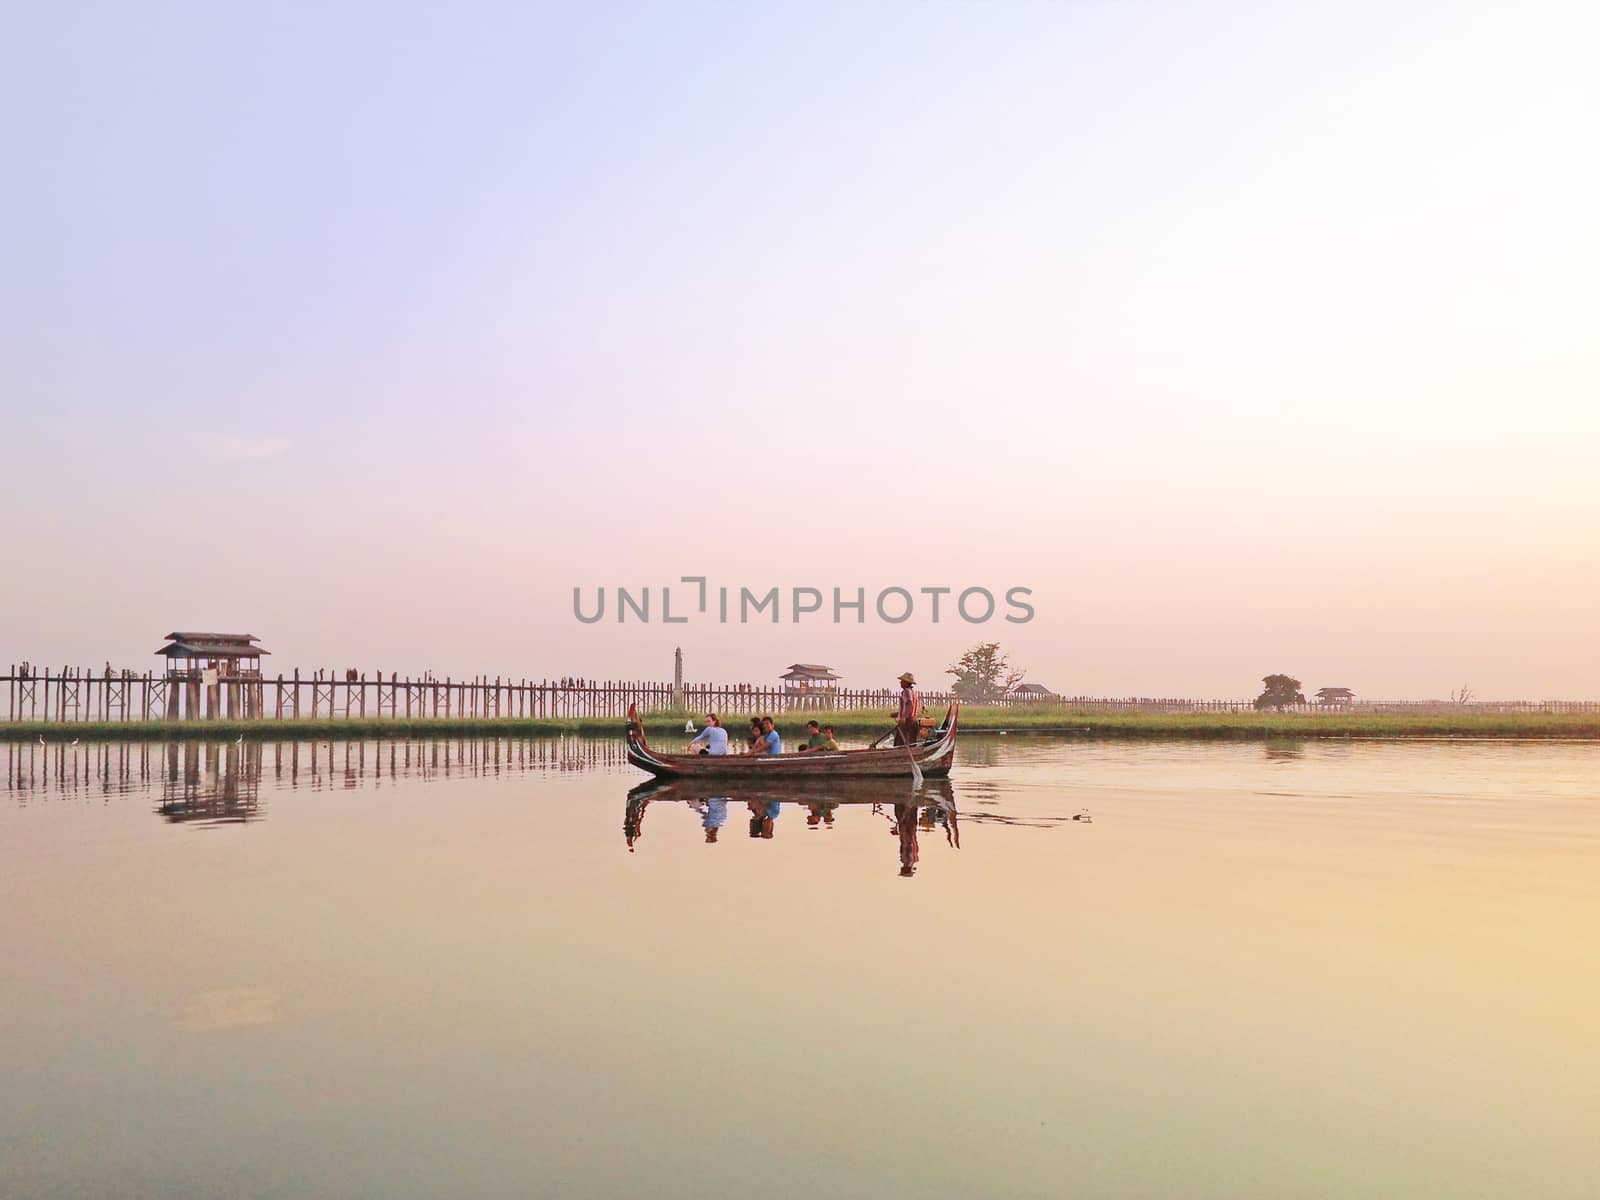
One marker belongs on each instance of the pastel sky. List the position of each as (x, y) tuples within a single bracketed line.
[(1250, 337)]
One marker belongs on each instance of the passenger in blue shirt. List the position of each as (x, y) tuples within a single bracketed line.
[(713, 735), (770, 738)]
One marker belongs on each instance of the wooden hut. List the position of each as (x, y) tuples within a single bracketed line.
[(810, 685), (223, 664), (1335, 697)]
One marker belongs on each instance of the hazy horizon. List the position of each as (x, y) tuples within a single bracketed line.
[(1250, 340)]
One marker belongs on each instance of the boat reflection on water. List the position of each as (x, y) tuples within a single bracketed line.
[(930, 809)]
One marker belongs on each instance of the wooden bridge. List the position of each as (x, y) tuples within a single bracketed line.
[(70, 694), (82, 694)]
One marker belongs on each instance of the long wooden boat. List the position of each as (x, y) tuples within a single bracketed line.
[(933, 756)]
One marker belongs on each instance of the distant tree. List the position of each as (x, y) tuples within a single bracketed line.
[(1462, 695), (1281, 691), (983, 673)]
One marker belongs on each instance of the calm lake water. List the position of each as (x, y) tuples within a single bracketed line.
[(477, 969)]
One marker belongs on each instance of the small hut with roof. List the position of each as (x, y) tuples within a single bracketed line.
[(810, 685), (224, 664)]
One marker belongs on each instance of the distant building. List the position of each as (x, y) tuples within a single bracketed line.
[(1335, 697), (1031, 689), (810, 685)]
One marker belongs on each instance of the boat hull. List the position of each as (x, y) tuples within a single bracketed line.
[(933, 758)]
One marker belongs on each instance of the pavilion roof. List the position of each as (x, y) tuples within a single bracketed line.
[(808, 671), (211, 645)]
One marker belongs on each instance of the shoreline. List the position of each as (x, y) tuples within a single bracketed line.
[(975, 721)]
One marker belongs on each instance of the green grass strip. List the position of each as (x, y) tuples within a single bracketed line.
[(667, 728)]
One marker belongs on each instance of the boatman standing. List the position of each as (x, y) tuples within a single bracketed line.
[(907, 724)]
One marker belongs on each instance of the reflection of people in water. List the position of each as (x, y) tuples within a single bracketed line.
[(820, 813), (713, 815), (633, 821), (907, 818), (905, 827), (762, 816)]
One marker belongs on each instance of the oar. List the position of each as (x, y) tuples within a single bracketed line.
[(916, 771)]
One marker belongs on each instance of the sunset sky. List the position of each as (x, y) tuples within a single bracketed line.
[(1251, 339)]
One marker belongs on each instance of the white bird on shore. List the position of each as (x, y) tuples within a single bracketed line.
[(240, 740), (75, 741), (688, 726), (41, 739)]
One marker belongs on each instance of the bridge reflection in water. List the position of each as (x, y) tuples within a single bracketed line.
[(208, 783), (911, 814)]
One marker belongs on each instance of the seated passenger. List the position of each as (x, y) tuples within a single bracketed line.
[(826, 740), (770, 741), (713, 735), (813, 737), (753, 746)]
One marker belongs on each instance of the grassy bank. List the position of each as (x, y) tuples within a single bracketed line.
[(862, 726)]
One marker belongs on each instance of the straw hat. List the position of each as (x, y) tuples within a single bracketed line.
[(908, 677)]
